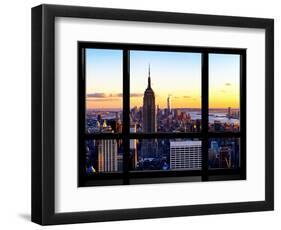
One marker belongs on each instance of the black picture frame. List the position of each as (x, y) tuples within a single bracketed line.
[(43, 114)]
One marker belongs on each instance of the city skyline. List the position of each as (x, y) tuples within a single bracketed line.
[(169, 73), (159, 105)]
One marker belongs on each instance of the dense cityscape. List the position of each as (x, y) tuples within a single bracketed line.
[(161, 154)]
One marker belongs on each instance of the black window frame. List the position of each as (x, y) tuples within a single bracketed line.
[(147, 177)]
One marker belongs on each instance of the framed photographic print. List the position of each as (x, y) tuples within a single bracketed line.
[(142, 114)]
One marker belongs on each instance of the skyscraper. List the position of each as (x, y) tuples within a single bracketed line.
[(169, 108), (149, 109), (185, 155), (229, 112), (133, 147), (149, 147), (225, 157), (107, 156)]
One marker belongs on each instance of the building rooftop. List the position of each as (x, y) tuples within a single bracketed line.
[(184, 143)]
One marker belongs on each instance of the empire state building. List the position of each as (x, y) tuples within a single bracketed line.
[(149, 146), (149, 110)]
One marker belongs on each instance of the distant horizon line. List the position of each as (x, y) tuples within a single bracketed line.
[(117, 109)]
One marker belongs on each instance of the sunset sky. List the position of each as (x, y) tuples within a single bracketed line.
[(224, 74), (172, 73)]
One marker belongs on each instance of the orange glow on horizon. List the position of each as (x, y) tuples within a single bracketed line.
[(215, 101)]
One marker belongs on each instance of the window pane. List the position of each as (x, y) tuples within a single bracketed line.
[(104, 156), (165, 91), (165, 154), (224, 93), (103, 90), (224, 153)]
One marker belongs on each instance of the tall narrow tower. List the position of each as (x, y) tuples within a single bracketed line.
[(169, 108), (149, 108), (149, 146)]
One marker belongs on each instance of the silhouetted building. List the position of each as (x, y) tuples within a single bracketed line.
[(149, 109), (177, 113), (229, 112), (118, 123), (198, 125), (149, 147), (218, 126), (225, 157), (169, 108)]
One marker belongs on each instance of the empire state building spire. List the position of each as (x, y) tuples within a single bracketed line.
[(149, 108), (149, 81)]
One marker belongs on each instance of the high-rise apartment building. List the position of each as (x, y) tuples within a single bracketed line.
[(185, 155), (107, 155)]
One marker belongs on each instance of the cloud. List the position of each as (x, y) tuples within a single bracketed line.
[(104, 95), (189, 98), (111, 95), (97, 95), (136, 94), (227, 84), (102, 99), (114, 95)]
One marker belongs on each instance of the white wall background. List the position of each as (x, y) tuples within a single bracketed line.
[(15, 167)]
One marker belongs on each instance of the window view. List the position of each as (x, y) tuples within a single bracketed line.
[(104, 80), (166, 154), (154, 112), (224, 93), (224, 153), (103, 156), (165, 91)]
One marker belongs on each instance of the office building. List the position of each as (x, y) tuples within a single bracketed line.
[(107, 155), (185, 155)]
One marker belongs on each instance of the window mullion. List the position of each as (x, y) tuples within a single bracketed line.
[(205, 112), (81, 115), (243, 114), (126, 114)]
